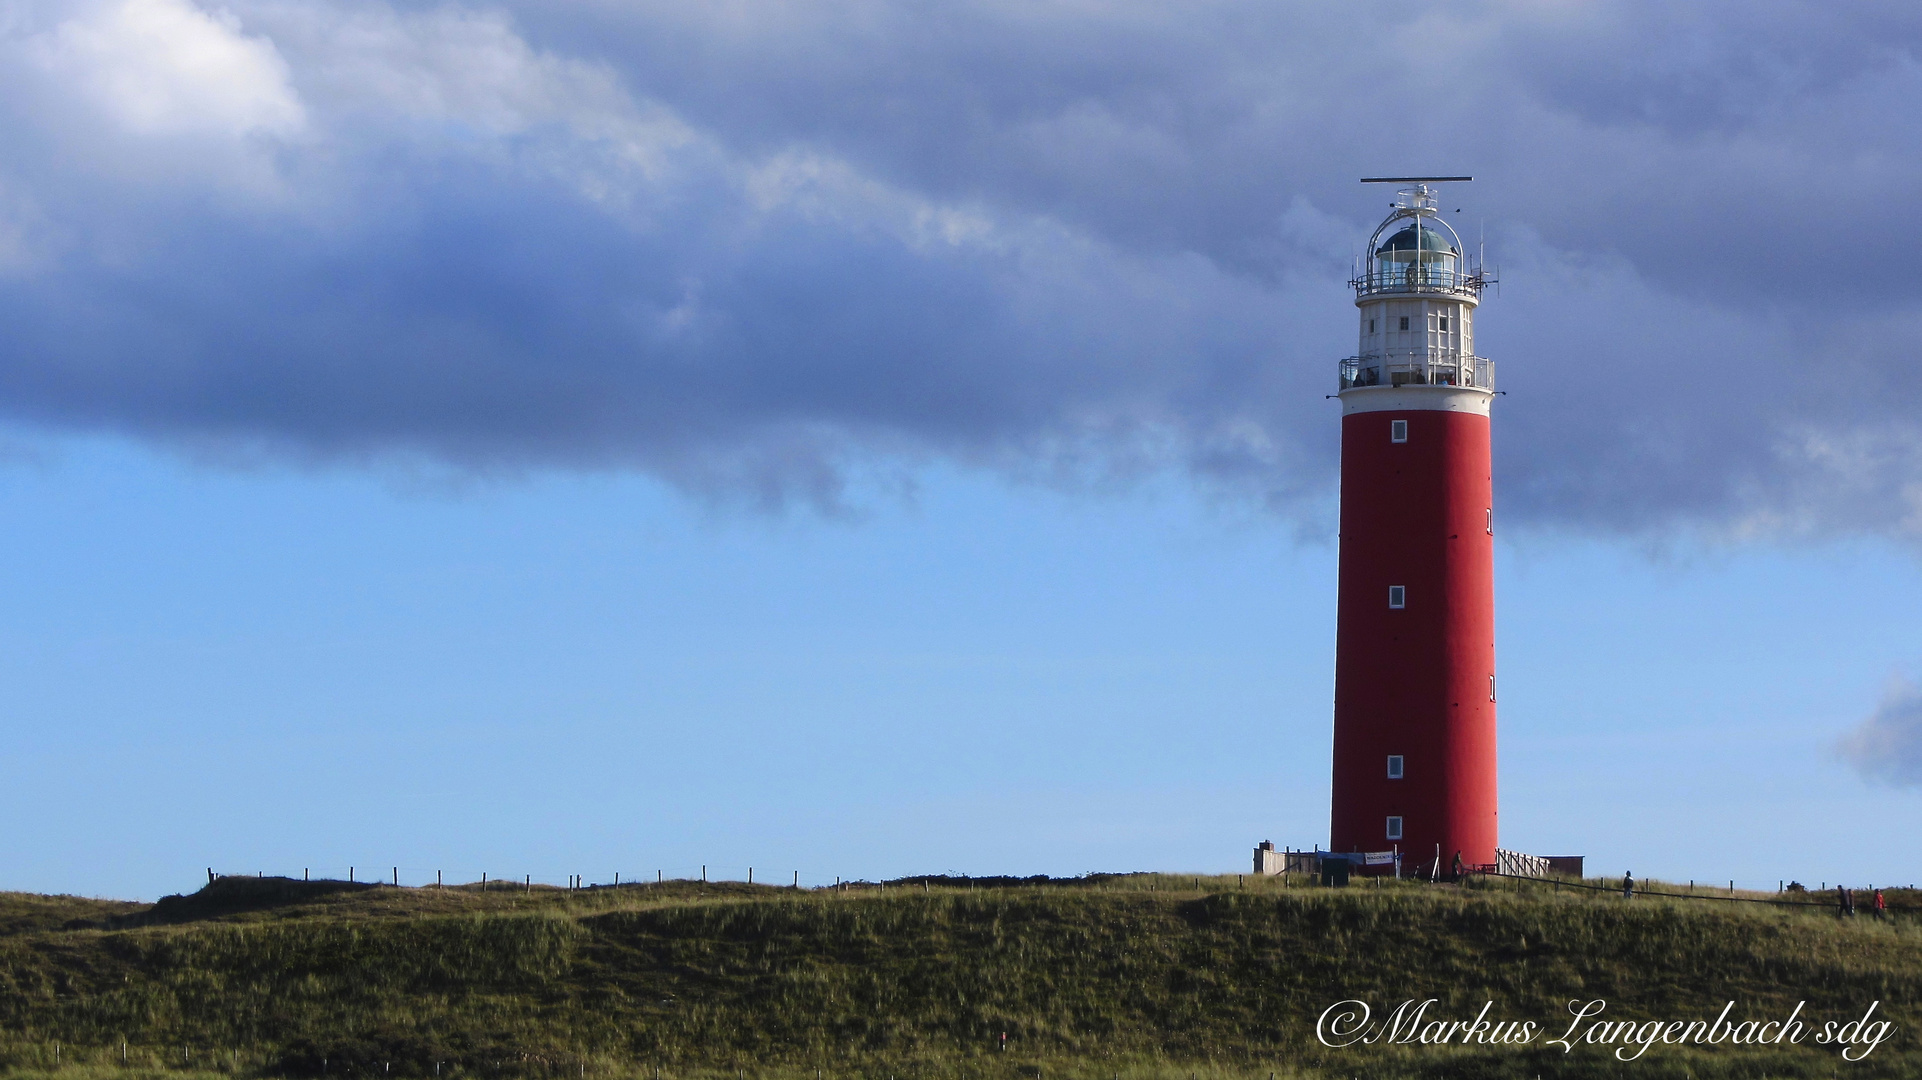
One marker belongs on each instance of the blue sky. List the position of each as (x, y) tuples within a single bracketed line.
[(883, 437), (276, 669)]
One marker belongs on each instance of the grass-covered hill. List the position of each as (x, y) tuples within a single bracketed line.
[(1138, 976)]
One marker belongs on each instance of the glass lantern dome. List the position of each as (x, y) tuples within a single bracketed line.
[(1414, 244)]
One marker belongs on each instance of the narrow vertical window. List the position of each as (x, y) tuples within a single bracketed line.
[(1404, 322), (1371, 326), (1491, 688), (1394, 828), (1398, 598), (1397, 431), (1444, 324), (1394, 766), (1491, 521)]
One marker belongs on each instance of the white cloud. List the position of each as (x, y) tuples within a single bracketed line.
[(1888, 745), (167, 67), (461, 84)]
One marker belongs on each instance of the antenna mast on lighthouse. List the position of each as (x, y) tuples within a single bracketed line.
[(1414, 762)]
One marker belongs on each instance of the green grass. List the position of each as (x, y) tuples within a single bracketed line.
[(1142, 977)]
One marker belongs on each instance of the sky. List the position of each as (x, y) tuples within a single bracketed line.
[(882, 437)]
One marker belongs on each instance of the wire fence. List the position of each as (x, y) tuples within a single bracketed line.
[(715, 874), (1780, 900), (691, 873)]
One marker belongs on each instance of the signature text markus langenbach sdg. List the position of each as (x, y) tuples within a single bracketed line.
[(1352, 1022)]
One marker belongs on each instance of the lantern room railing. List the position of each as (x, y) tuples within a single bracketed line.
[(1419, 279), (1430, 368)]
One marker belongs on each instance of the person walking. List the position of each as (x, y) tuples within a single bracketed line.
[(1628, 886), (1456, 873), (1879, 907), (1844, 903)]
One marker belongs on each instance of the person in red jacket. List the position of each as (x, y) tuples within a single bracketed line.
[(1879, 907)]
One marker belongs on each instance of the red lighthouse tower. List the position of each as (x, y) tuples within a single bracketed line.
[(1415, 632)]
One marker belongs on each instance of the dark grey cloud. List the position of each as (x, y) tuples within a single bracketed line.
[(749, 247), (1887, 747)]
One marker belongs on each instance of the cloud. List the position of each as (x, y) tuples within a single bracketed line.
[(755, 247), (158, 67), (1888, 745)]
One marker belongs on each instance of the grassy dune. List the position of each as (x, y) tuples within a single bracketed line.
[(1140, 977)]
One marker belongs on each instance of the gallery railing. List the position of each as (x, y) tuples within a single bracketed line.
[(1418, 369)]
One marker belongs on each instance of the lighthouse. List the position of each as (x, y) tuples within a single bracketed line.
[(1415, 690)]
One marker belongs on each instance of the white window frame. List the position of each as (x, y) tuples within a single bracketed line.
[(1397, 431), (1394, 827), (1396, 766), (1398, 599), (1491, 688)]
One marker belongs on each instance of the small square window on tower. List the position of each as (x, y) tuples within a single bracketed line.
[(1404, 322), (1398, 598), (1394, 828), (1394, 766), (1397, 431), (1444, 324)]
